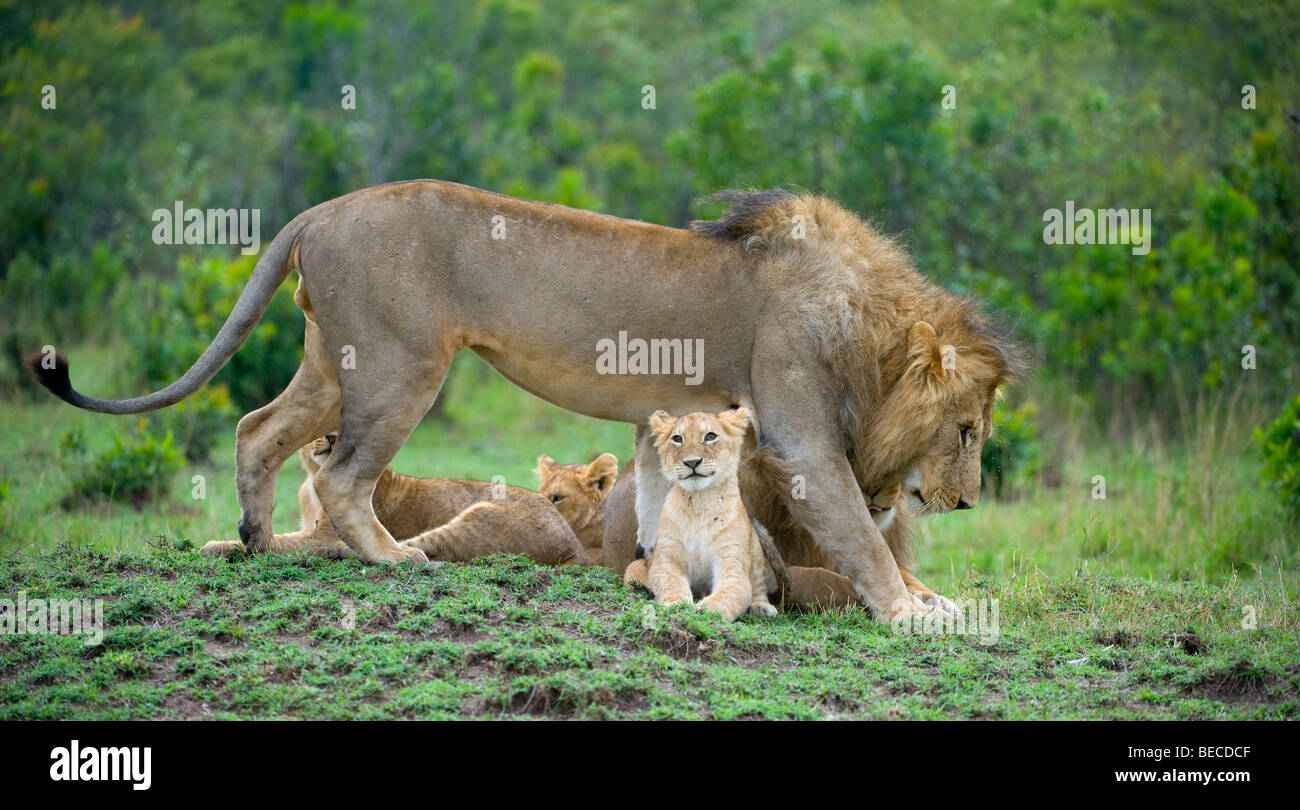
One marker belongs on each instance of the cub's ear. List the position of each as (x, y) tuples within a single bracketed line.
[(546, 465), (927, 352), (735, 421), (602, 472), (661, 422)]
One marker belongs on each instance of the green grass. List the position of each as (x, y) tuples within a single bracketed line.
[(192, 637), (1131, 606)]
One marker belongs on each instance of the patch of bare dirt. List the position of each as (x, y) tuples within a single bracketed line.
[(1243, 683), (1191, 643)]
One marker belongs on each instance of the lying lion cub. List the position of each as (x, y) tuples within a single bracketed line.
[(706, 542), (579, 492), (446, 519)]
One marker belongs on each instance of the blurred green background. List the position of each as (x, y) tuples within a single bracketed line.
[(1104, 102)]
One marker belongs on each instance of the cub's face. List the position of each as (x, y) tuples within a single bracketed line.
[(315, 454), (578, 491), (699, 449)]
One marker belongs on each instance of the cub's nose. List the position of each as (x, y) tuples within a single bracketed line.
[(692, 462), (961, 504)]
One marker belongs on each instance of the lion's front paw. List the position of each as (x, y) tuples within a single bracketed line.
[(903, 611), (940, 603), (763, 609), (403, 553), (223, 548)]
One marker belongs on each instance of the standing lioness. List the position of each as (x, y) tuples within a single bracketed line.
[(830, 338)]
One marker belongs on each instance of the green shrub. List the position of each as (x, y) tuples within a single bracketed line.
[(1133, 325), (1280, 444), (137, 469), (184, 314), (1011, 453), (198, 421), (54, 305)]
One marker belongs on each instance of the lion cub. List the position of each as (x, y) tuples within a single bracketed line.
[(579, 492), (706, 543), (447, 519)]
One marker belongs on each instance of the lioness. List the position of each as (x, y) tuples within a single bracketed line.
[(579, 492), (706, 543), (836, 345), (446, 519)]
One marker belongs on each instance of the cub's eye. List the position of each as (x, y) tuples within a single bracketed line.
[(556, 498), (965, 436), (710, 437), (677, 440)]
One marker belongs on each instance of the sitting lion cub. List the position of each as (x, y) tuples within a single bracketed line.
[(579, 492), (706, 543), (445, 518)]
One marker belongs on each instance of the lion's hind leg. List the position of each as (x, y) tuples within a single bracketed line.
[(383, 399), (264, 438)]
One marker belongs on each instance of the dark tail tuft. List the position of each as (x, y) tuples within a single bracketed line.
[(56, 378)]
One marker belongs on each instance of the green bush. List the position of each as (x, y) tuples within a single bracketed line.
[(184, 315), (1011, 453), (198, 421), (137, 469), (53, 305), (1132, 325), (1280, 444)]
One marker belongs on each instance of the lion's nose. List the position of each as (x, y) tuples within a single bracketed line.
[(692, 462), (961, 504)]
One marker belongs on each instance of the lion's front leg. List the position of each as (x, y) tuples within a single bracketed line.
[(651, 491), (836, 516), (667, 575), (800, 420)]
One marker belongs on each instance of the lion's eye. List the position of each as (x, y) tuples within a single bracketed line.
[(965, 436), (677, 440), (556, 498), (709, 437)]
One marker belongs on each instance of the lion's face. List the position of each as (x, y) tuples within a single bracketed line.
[(946, 476), (699, 449), (314, 455), (578, 491), (931, 430)]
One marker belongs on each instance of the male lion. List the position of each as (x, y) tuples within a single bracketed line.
[(579, 492), (838, 347), (446, 519)]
